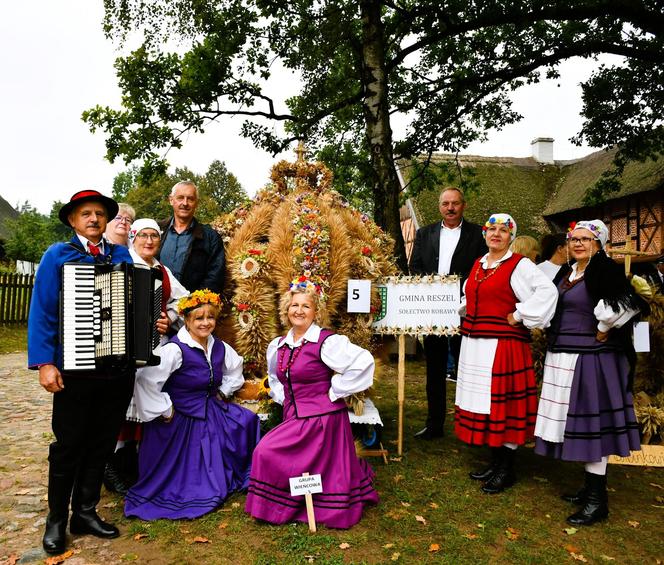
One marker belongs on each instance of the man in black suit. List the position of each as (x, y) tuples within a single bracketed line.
[(447, 247)]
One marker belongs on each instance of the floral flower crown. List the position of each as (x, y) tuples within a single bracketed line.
[(198, 298), (304, 284), (500, 219), (593, 228)]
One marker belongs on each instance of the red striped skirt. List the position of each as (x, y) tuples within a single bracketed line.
[(513, 401)]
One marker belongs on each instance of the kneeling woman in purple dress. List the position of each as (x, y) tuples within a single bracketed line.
[(196, 446), (585, 411), (311, 370)]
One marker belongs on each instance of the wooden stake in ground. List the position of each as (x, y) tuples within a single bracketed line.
[(401, 389), (311, 517)]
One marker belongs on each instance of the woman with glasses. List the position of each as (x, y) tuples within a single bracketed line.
[(117, 229), (145, 237), (585, 411)]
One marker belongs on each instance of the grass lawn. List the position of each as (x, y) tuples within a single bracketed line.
[(13, 339), (430, 512)]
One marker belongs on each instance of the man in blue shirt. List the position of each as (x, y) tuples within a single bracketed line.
[(193, 251), (88, 407)]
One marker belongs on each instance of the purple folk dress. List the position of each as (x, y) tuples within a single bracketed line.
[(315, 437), (589, 414), (189, 466)]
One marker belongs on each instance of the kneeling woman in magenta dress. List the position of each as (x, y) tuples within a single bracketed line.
[(311, 370), (196, 447)]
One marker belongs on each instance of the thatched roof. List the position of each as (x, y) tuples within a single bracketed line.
[(529, 190), (577, 178), (7, 211), (518, 186)]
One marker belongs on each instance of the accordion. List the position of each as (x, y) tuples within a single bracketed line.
[(108, 316)]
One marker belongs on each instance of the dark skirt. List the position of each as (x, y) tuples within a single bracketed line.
[(600, 418)]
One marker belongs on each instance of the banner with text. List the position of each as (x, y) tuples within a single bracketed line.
[(417, 305)]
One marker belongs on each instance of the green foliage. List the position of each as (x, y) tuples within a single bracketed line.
[(30, 235), (219, 191), (446, 69)]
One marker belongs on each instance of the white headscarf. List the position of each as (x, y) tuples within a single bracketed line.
[(142, 224), (596, 227)]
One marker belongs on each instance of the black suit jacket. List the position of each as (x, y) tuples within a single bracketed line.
[(471, 246)]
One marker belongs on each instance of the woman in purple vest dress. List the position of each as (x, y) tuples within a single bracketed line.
[(196, 447), (585, 411), (311, 371), (496, 395)]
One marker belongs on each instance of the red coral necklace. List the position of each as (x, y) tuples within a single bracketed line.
[(286, 364)]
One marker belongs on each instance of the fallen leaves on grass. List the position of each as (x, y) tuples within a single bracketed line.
[(395, 556), (656, 486), (572, 549), (344, 545), (570, 531), (397, 478), (405, 504), (59, 558), (578, 557), (223, 525), (471, 536), (606, 558), (634, 523), (396, 459), (140, 536), (200, 539), (434, 547), (433, 505), (109, 505), (388, 546), (235, 505), (421, 519), (512, 534)]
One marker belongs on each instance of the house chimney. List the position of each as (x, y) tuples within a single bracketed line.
[(543, 150)]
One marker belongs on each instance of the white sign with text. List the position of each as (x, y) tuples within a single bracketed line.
[(306, 484), (359, 296), (419, 305)]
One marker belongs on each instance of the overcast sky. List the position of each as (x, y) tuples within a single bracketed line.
[(56, 63)]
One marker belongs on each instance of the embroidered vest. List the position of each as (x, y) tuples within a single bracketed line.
[(489, 300), (307, 382)]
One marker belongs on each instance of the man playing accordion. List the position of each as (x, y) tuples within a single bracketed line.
[(88, 406)]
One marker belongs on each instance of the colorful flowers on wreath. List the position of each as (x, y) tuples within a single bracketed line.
[(311, 243), (198, 298)]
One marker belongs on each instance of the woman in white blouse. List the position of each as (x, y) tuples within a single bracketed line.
[(311, 370), (496, 397), (196, 447), (585, 411)]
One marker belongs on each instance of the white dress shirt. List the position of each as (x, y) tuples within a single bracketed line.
[(449, 238)]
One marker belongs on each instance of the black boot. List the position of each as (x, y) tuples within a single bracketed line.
[(596, 506), (580, 496), (84, 519), (485, 474), (113, 480), (59, 493), (504, 476)]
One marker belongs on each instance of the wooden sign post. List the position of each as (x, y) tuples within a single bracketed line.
[(307, 485), (417, 306)]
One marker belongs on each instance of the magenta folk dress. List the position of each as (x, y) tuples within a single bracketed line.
[(315, 436)]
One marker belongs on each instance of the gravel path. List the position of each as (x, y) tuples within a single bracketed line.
[(25, 433)]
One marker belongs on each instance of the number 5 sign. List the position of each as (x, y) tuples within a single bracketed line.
[(359, 296)]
